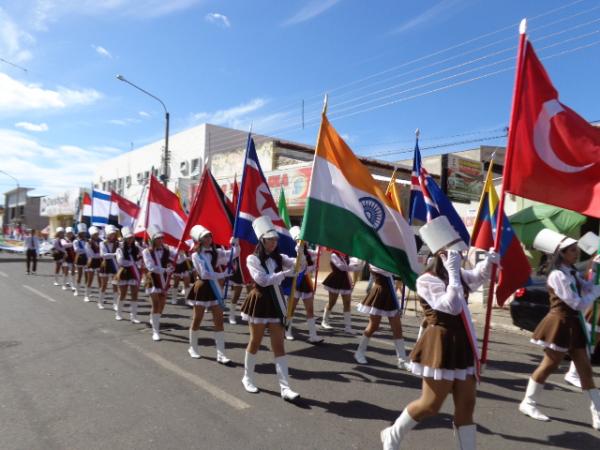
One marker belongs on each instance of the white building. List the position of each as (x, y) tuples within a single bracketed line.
[(222, 148)]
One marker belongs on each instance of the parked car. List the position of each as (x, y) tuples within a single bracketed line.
[(530, 304)]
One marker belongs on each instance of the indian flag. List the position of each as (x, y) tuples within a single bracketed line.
[(346, 210)]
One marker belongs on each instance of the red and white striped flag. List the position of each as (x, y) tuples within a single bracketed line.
[(122, 211)]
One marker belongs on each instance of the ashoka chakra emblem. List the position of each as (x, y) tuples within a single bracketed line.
[(374, 211)]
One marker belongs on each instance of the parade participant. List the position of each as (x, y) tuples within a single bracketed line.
[(157, 260), (304, 291), (265, 306), (563, 329), (79, 245), (381, 302), (338, 283), (237, 284), (59, 253), (128, 275), (206, 291), (183, 270), (32, 249), (94, 261), (445, 354), (69, 262), (108, 268)]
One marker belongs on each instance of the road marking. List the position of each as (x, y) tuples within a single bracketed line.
[(2, 274), (213, 390), (41, 294)]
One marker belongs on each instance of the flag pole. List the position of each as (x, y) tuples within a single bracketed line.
[(299, 257), (506, 174)]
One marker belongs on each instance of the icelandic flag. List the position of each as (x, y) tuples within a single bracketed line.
[(427, 201), (100, 207), (514, 265), (255, 200)]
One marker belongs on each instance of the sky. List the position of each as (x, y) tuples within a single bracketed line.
[(389, 67)]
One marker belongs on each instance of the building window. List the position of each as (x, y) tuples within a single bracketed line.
[(128, 181), (195, 169)]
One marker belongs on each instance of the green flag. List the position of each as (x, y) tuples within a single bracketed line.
[(283, 211)]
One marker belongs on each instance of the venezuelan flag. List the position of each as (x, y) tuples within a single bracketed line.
[(515, 268)]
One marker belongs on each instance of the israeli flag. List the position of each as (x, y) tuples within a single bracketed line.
[(100, 207)]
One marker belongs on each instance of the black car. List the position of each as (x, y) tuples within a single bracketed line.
[(530, 304)]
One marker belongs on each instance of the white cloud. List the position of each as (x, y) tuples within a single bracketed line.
[(18, 96), (46, 11), (310, 11), (124, 122), (219, 19), (232, 116), (144, 114), (434, 13), (14, 40), (50, 169), (102, 51), (32, 126)]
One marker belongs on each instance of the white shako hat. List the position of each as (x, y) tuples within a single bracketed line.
[(94, 230), (60, 230), (81, 228), (198, 232), (110, 229), (264, 228), (439, 234), (126, 232), (154, 232), (549, 241), (69, 230), (589, 243), (295, 232)]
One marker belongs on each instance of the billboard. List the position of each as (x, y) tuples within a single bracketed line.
[(465, 179)]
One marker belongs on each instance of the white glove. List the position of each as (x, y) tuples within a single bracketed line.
[(493, 257), (288, 272), (452, 265)]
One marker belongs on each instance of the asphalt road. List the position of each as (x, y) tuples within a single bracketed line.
[(71, 377)]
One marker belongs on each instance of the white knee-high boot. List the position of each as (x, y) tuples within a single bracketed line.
[(465, 437), (348, 323), (133, 309), (86, 297), (529, 404), (248, 379), (572, 377), (173, 296), (101, 300), (325, 321), (288, 330), (391, 437), (594, 395), (403, 362), (118, 315), (281, 366), (155, 318), (193, 349), (220, 344), (232, 319), (313, 337), (359, 354)]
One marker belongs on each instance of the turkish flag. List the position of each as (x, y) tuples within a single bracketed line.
[(556, 152)]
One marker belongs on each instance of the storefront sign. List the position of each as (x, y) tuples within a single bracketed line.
[(465, 179), (64, 204)]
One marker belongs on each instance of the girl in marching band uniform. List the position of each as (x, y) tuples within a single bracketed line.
[(157, 260), (128, 275), (108, 268), (265, 305), (445, 353), (59, 253), (338, 283), (563, 329), (67, 244), (94, 262), (79, 245), (207, 292), (381, 302), (183, 271), (304, 291)]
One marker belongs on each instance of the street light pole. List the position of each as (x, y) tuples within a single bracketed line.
[(165, 175), (18, 192)]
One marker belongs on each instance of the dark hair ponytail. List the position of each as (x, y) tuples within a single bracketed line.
[(262, 254)]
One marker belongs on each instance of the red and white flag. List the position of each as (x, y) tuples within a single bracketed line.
[(86, 210), (122, 211), (556, 152), (161, 208)]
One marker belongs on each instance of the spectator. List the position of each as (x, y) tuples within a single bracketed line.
[(32, 249)]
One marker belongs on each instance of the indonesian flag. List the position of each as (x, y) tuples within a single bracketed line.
[(161, 208), (122, 211), (86, 210), (556, 152)]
